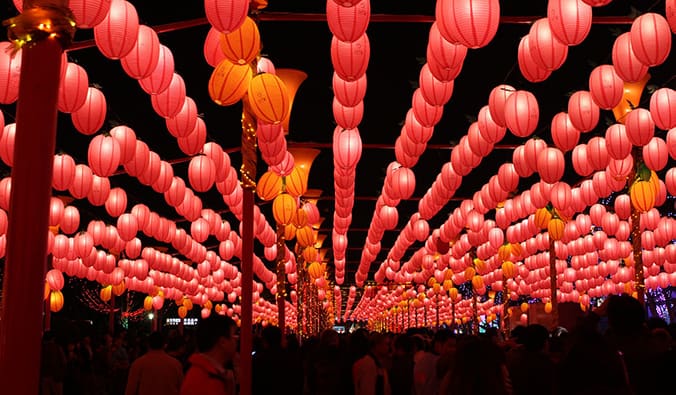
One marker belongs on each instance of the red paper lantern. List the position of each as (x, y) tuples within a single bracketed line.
[(142, 60), (617, 142), (427, 114), (347, 147), (127, 227), (435, 92), (349, 93), (82, 182), (656, 154), (605, 86), (477, 143), (521, 113), (100, 188), (212, 48), (55, 211), (192, 143), (627, 65), (170, 102), (138, 163), (201, 173), (350, 59), (545, 49), (529, 68), (583, 112), (651, 39), (663, 108), (348, 23), (596, 153), (496, 102), (89, 118), (126, 138), (470, 23), (443, 53), (639, 126), (564, 134), (176, 193), (89, 13), (348, 117), (551, 165), (63, 172), (10, 71), (103, 155), (73, 88), (226, 15), (569, 20), (402, 183), (163, 181), (152, 170), (116, 35), (580, 161), (184, 121), (161, 76), (116, 203), (220, 158)]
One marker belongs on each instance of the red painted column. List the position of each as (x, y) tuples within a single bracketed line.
[(245, 338), (21, 323)]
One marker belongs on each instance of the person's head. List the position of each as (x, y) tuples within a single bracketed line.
[(441, 340), (661, 339), (379, 344), (329, 339), (625, 315), (272, 336), (518, 334), (403, 344), (156, 341), (216, 335), (536, 337)]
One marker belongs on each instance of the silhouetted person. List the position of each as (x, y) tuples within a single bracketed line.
[(53, 366), (273, 370), (323, 366), (401, 372), (530, 368), (369, 373), (155, 372)]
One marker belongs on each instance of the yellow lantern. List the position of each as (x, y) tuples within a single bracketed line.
[(508, 269), (269, 186), (283, 208), (477, 282), (119, 288), (106, 293), (548, 307), (453, 293), (469, 273), (289, 232), (505, 252), (182, 311), (299, 218), (187, 303), (642, 194), (268, 98), (315, 270), (148, 303), (436, 288), (542, 217), (55, 301), (229, 82), (310, 254), (524, 307), (242, 45), (296, 182), (555, 228), (479, 265), (306, 236), (447, 285)]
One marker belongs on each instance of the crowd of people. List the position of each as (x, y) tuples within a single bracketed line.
[(614, 351)]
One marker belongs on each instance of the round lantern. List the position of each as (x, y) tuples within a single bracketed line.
[(550, 165), (106, 293), (528, 66), (55, 301), (283, 208), (100, 189), (348, 117), (10, 71), (642, 194), (555, 228), (521, 113), (470, 23), (116, 203), (617, 142), (170, 102), (269, 186), (89, 13), (201, 173), (348, 23), (212, 48), (81, 183), (663, 108), (583, 112), (89, 118), (545, 49), (126, 139), (296, 182), (651, 39), (347, 147), (116, 35), (184, 122), (70, 220), (656, 154), (142, 60), (199, 230), (306, 236), (570, 20), (226, 15), (497, 101), (127, 227), (73, 88), (349, 93), (241, 46), (564, 134), (160, 78), (268, 98), (605, 86), (104, 155), (350, 59), (627, 65), (148, 303), (63, 172), (192, 143), (639, 126)]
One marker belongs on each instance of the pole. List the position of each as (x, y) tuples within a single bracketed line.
[(553, 284), (437, 309), (636, 235), (281, 281), (248, 171), (505, 307), (111, 316), (21, 322)]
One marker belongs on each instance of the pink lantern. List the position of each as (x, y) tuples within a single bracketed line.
[(489, 129), (348, 117), (545, 49), (73, 88), (226, 15), (521, 113), (347, 147), (443, 53), (561, 196), (144, 56), (470, 23), (183, 123), (639, 126), (160, 77), (100, 188), (63, 172), (201, 173), (104, 155), (348, 23), (133, 248), (138, 163), (126, 138), (170, 102), (7, 144), (606, 87), (435, 92), (551, 165), (10, 70), (532, 150), (199, 230), (651, 39), (570, 20), (655, 154), (623, 206), (89, 13), (620, 168), (497, 101), (421, 229), (402, 183), (349, 93), (116, 203), (663, 108), (564, 134), (55, 211), (528, 66), (193, 142), (127, 226), (164, 179), (617, 142), (89, 118), (350, 59), (82, 182), (212, 48), (597, 153), (627, 65), (70, 220), (116, 35), (152, 170), (583, 112)]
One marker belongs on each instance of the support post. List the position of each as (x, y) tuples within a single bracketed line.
[(111, 316), (21, 321), (281, 280), (553, 284), (636, 245)]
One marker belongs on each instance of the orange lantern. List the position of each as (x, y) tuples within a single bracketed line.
[(306, 236), (283, 208), (436, 288), (479, 265), (268, 98), (148, 303), (229, 82), (289, 232), (187, 303), (508, 269), (548, 307), (515, 249), (106, 293), (299, 218), (504, 252), (447, 285), (555, 228), (45, 295), (310, 254), (55, 301), (477, 282), (542, 217), (642, 194), (296, 182), (269, 186), (453, 293), (655, 181), (631, 98), (208, 305), (524, 307), (469, 273), (182, 311), (315, 270), (242, 45), (119, 288)]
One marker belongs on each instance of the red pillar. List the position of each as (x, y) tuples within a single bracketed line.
[(21, 323), (246, 342)]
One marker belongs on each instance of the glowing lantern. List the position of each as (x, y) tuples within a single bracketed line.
[(521, 113), (226, 15), (148, 303), (71, 220), (182, 311), (89, 118), (73, 88), (642, 194), (564, 134), (508, 269), (545, 49), (55, 279), (315, 270), (89, 13), (651, 39), (570, 20), (116, 35), (470, 23), (548, 307), (106, 293), (306, 236), (199, 230), (127, 227), (347, 147), (192, 143), (100, 189), (350, 59), (550, 165), (283, 208), (627, 65), (605, 87), (655, 154), (524, 307), (142, 60), (269, 186), (663, 108), (640, 127), (241, 46), (183, 123), (55, 301), (583, 112), (161, 76), (116, 203), (201, 173), (10, 71), (118, 289), (542, 218), (63, 172), (268, 98), (296, 182), (555, 228)]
